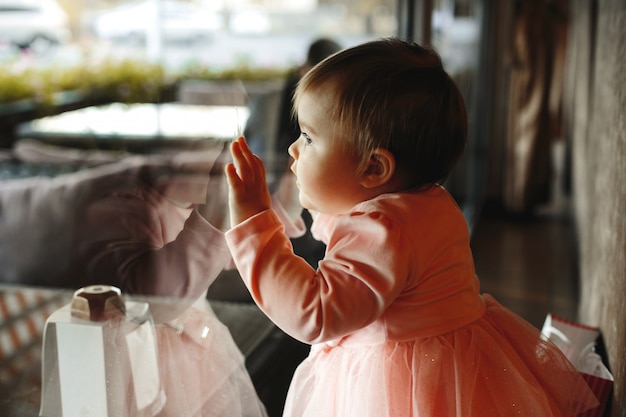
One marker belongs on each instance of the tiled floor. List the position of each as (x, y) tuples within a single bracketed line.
[(528, 264)]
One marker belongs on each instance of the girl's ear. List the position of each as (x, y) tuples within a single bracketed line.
[(380, 168)]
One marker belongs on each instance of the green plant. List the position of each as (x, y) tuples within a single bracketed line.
[(112, 80), (15, 86), (242, 73), (129, 81)]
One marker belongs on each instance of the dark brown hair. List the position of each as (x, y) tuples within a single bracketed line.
[(393, 94)]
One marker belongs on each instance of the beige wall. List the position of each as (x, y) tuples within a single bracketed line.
[(595, 109)]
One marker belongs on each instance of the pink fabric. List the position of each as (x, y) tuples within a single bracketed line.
[(396, 320), (202, 370)]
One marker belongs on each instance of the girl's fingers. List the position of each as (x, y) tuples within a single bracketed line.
[(252, 161), (231, 175), (249, 166), (239, 161), (248, 194)]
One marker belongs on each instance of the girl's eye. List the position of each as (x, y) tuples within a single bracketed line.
[(307, 138)]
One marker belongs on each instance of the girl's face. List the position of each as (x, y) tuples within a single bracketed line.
[(327, 174)]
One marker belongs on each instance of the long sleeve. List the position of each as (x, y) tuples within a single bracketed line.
[(353, 285), (142, 242), (145, 244)]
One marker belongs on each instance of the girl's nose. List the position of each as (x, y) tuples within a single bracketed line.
[(292, 150)]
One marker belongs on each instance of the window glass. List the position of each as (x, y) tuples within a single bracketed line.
[(79, 53), (87, 83), (78, 78), (114, 114), (180, 33)]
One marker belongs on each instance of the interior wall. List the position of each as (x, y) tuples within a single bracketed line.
[(596, 109)]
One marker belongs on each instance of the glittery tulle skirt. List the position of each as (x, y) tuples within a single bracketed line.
[(496, 366), (202, 370)]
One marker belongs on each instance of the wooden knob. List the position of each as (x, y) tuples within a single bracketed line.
[(97, 302)]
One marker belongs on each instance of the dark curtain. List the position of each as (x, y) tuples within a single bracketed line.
[(536, 85)]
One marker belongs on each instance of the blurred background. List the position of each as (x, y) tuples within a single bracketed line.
[(541, 183), (63, 54)]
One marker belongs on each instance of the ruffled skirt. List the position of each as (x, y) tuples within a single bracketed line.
[(202, 370), (496, 366)]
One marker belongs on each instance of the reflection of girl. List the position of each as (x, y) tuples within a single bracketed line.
[(393, 310), (150, 236), (150, 225)]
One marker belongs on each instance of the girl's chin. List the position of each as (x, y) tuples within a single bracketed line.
[(305, 204)]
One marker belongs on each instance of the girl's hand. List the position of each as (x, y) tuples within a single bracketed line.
[(248, 192)]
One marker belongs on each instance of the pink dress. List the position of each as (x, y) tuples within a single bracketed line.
[(148, 244), (396, 322)]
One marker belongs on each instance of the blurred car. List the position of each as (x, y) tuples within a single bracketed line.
[(178, 21), (250, 22), (33, 24)]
